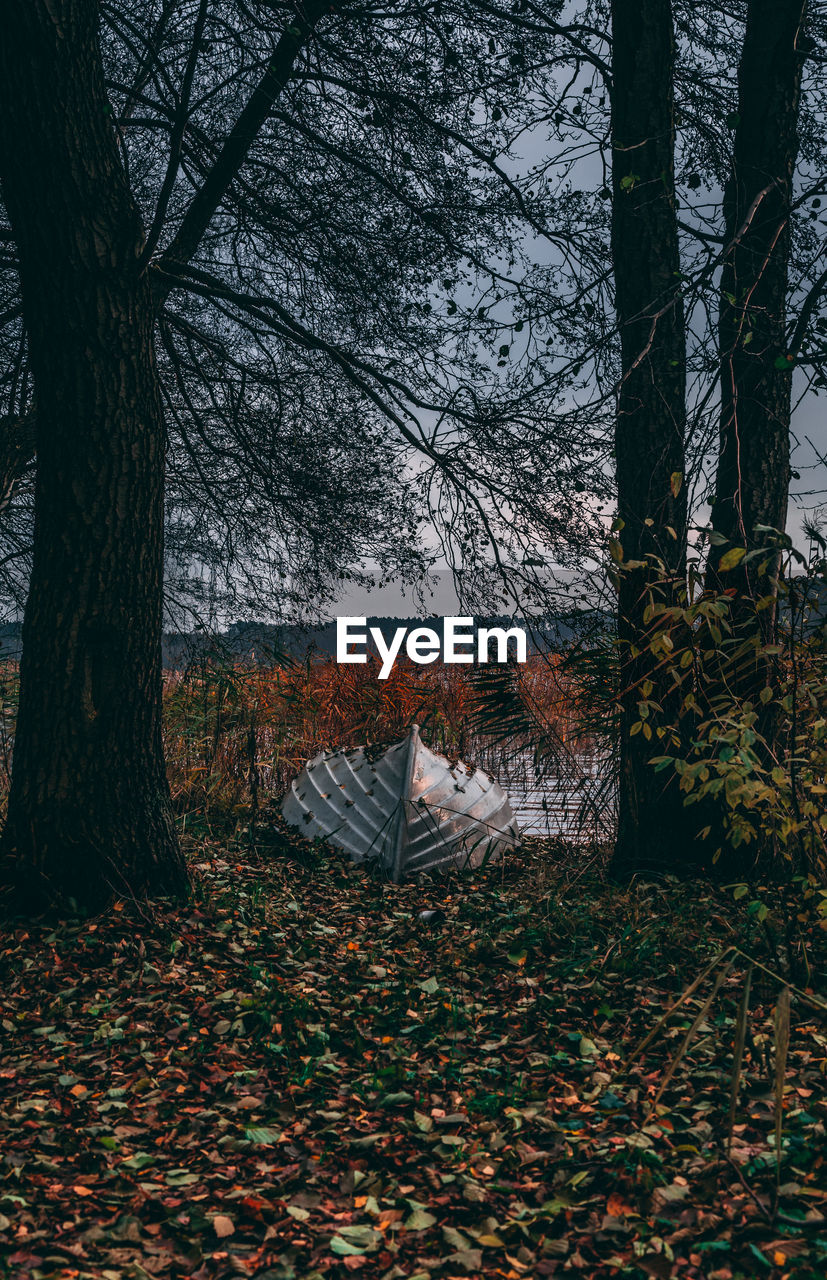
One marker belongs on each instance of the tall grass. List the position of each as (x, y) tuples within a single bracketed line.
[(237, 732)]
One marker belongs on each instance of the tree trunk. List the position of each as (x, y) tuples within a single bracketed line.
[(649, 434), (753, 473), (89, 812)]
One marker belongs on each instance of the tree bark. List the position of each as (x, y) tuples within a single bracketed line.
[(753, 472), (650, 421), (89, 812)]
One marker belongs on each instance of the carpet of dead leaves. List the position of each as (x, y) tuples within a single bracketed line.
[(306, 1072)]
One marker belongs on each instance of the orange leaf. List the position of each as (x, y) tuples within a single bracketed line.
[(616, 1206)]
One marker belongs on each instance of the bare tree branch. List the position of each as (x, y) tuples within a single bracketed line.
[(244, 133)]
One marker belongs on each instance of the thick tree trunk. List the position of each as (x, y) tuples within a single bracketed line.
[(753, 473), (649, 436), (89, 813)]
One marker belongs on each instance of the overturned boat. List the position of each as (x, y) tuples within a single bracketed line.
[(403, 806)]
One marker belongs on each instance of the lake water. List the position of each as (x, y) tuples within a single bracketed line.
[(571, 798)]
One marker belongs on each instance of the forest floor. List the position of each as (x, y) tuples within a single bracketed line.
[(298, 1075)]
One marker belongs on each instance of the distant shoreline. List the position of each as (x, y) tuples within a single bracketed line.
[(262, 641)]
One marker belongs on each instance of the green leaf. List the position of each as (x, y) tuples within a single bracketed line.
[(368, 1140), (140, 1160), (731, 558), (361, 1235), (419, 1220), (181, 1178), (263, 1137), (343, 1248), (455, 1238)]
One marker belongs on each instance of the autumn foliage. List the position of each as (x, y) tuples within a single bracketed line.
[(237, 731)]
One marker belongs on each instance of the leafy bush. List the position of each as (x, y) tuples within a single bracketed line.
[(749, 742)]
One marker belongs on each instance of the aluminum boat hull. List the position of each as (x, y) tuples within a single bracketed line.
[(404, 806)]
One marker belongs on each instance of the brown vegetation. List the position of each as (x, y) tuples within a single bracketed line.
[(236, 732)]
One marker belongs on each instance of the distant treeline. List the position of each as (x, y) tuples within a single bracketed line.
[(265, 642)]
